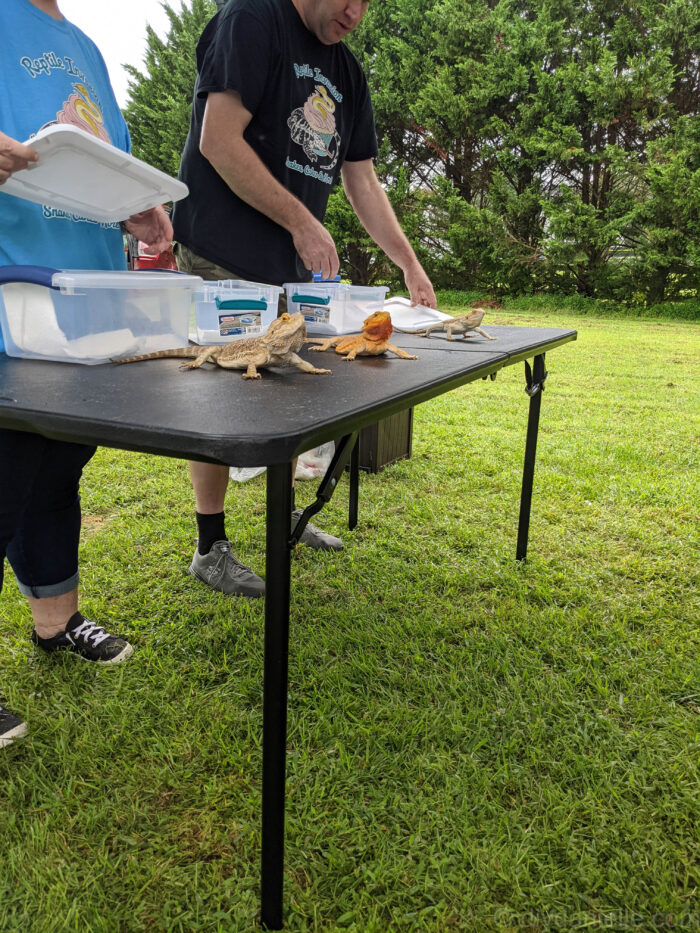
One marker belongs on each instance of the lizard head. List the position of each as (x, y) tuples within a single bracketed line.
[(377, 326), (474, 317), (287, 332)]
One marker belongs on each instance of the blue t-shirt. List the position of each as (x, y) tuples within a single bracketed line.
[(50, 72)]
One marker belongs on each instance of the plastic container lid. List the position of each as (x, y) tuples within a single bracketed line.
[(85, 176), (70, 281)]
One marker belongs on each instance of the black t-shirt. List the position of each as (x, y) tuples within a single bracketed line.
[(311, 112)]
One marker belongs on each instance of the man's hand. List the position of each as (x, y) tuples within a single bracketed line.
[(316, 247), (153, 228), (14, 156), (420, 287)]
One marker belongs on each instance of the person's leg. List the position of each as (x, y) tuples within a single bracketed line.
[(51, 613), (15, 476), (43, 550), (213, 562), (29, 464), (209, 482)]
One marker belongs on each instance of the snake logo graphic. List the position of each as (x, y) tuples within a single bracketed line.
[(313, 127)]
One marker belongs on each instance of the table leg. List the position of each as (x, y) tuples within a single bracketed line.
[(535, 378), (354, 485), (279, 507)]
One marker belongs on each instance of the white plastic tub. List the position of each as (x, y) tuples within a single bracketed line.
[(232, 309), (92, 317), (334, 308)]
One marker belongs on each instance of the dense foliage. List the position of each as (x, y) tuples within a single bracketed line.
[(160, 96), (525, 144)]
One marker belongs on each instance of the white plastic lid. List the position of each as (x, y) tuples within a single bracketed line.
[(81, 174), (71, 280), (314, 287)]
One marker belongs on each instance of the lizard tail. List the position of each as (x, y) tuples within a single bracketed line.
[(179, 353)]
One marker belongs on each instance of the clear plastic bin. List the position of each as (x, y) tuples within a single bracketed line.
[(231, 309), (334, 308), (92, 317)]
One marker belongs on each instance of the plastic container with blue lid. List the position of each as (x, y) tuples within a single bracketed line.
[(91, 317), (330, 307), (230, 309)]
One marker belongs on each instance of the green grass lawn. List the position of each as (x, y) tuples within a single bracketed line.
[(474, 745)]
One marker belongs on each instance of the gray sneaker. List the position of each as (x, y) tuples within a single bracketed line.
[(220, 570), (315, 538)]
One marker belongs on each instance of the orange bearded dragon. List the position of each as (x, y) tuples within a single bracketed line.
[(373, 341)]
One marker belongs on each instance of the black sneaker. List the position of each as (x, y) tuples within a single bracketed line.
[(11, 727), (88, 640)]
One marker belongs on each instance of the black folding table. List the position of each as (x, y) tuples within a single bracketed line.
[(215, 415)]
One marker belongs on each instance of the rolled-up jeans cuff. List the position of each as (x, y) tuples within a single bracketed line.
[(53, 589)]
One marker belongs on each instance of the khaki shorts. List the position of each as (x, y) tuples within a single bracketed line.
[(192, 264)]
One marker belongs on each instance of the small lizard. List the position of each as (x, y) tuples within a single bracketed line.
[(373, 341), (466, 324), (276, 347)]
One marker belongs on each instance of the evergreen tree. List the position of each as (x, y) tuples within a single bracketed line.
[(160, 97), (524, 144)]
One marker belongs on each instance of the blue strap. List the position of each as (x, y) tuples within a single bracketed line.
[(33, 275)]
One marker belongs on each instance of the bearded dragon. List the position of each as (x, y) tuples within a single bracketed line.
[(276, 347), (466, 324), (373, 341)]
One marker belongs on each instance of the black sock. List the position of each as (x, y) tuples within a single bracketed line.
[(210, 528)]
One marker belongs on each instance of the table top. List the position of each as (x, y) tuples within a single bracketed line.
[(215, 414)]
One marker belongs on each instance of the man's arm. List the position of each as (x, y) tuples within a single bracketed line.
[(374, 210), (223, 145)]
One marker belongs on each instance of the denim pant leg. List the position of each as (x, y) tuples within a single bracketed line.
[(40, 511)]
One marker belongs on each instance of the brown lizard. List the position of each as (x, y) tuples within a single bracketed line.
[(276, 347), (373, 341), (465, 324)]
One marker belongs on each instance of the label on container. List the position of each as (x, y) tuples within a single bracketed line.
[(240, 323), (316, 314)]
